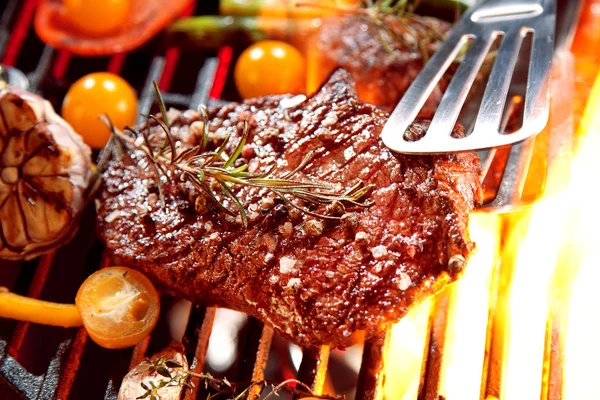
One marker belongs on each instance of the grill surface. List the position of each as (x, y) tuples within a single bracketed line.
[(39, 362)]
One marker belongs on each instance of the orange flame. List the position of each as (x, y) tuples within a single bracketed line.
[(581, 351), (464, 350)]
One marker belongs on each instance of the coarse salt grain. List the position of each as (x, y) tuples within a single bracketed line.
[(273, 279), (330, 119), (112, 216), (292, 102), (361, 236), (349, 153), (287, 229), (286, 265), (294, 283), (405, 281), (379, 252)]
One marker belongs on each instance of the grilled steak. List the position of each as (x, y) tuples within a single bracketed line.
[(383, 55), (315, 281)]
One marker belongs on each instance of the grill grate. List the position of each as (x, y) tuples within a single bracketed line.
[(38, 362)]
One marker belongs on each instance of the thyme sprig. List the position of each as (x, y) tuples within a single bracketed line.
[(205, 169), (174, 374)]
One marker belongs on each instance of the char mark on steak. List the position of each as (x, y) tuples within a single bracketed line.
[(315, 281)]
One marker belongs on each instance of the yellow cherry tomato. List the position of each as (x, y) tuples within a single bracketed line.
[(96, 17), (270, 67), (119, 306), (96, 94)]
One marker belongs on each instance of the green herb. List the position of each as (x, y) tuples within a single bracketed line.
[(175, 374), (415, 33), (206, 169)]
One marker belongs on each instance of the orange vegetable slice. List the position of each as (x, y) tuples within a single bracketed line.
[(145, 19), (119, 306), (23, 308)]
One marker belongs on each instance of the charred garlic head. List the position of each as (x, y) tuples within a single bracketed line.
[(45, 169)]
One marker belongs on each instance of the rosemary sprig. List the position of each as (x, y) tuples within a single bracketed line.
[(174, 374), (206, 169)]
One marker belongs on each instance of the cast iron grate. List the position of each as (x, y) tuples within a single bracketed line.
[(38, 362)]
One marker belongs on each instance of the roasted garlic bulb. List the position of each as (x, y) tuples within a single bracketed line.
[(45, 170), (150, 379)]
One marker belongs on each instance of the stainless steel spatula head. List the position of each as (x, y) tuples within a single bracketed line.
[(509, 21)]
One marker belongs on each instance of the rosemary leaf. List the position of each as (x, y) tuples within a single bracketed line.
[(217, 154), (238, 149), (307, 158), (205, 169), (205, 129), (168, 138), (161, 103)]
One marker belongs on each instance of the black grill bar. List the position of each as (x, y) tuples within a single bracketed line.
[(371, 376), (313, 369), (5, 21), (195, 341), (73, 360), (260, 363)]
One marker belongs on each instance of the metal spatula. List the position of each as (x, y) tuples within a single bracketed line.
[(482, 25)]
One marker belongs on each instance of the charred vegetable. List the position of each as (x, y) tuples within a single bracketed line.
[(212, 31), (108, 31), (248, 21), (306, 8), (155, 376), (45, 170)]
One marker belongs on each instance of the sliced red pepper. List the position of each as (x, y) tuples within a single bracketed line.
[(146, 18)]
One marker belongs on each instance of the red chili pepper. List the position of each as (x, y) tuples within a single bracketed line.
[(146, 18)]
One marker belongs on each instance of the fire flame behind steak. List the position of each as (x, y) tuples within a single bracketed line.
[(315, 281)]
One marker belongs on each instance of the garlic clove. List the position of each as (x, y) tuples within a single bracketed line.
[(5, 191), (18, 115), (34, 211), (13, 224), (14, 153), (45, 170), (58, 190)]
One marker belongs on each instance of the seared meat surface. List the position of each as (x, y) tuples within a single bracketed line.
[(383, 55), (313, 286)]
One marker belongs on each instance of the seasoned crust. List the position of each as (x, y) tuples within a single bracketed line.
[(313, 290)]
